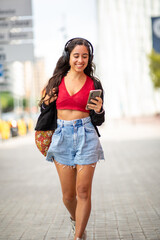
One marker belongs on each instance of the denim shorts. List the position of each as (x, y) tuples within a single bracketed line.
[(75, 142)]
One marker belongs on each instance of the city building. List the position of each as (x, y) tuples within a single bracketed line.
[(124, 41), (40, 76)]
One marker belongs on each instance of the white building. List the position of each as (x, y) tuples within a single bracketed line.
[(40, 77), (124, 40)]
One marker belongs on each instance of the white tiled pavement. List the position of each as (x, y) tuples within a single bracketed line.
[(125, 197)]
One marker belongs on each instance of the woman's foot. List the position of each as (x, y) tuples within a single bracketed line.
[(73, 224), (84, 237)]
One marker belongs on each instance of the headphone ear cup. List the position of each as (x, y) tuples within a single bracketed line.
[(66, 55), (91, 57)]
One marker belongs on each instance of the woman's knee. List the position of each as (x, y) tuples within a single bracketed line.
[(83, 191), (69, 197)]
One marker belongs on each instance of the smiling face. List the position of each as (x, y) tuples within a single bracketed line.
[(79, 58)]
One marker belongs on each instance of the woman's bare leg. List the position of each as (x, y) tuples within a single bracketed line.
[(67, 176), (83, 188)]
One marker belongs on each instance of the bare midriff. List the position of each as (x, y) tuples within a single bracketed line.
[(69, 115)]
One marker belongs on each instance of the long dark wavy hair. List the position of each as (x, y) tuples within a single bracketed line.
[(63, 66)]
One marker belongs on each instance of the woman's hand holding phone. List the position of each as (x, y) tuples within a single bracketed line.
[(95, 101), (97, 105)]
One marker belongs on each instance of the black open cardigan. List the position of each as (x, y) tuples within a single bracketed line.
[(47, 119)]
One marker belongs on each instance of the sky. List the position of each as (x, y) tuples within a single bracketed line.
[(57, 21)]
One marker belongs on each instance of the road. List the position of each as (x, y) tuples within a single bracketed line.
[(125, 197)]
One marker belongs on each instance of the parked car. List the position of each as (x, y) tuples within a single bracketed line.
[(19, 124)]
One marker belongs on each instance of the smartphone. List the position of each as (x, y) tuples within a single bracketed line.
[(92, 95)]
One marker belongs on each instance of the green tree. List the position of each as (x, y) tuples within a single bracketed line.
[(154, 65), (7, 101), (25, 103)]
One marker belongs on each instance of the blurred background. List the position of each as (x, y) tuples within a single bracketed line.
[(126, 193), (126, 39)]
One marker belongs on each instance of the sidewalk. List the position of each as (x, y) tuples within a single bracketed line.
[(125, 195)]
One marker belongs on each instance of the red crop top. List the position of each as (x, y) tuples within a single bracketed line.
[(78, 100)]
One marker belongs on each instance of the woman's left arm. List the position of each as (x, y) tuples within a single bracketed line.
[(97, 112), (97, 118)]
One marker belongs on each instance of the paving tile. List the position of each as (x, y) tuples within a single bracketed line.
[(125, 194)]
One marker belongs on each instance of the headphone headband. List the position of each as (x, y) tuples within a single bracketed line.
[(79, 38)]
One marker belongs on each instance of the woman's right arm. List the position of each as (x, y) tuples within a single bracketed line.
[(47, 100)]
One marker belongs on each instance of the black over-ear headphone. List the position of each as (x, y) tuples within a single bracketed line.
[(66, 53)]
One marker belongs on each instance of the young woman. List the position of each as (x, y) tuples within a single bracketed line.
[(75, 147)]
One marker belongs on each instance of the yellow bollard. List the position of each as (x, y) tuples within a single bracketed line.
[(22, 129), (5, 130)]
